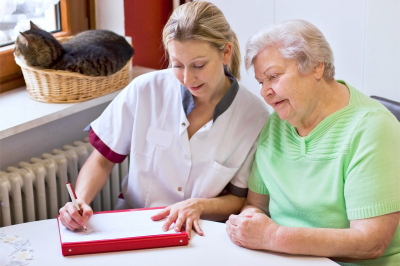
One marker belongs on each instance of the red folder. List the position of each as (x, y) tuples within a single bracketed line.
[(121, 244)]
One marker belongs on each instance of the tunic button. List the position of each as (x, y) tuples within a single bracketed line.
[(179, 189), (183, 124)]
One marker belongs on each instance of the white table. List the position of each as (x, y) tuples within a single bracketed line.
[(214, 248)]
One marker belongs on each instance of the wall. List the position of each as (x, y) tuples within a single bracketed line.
[(34, 142), (110, 15), (144, 22), (141, 20), (364, 36)]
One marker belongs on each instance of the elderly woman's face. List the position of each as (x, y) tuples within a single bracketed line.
[(283, 87), (198, 65)]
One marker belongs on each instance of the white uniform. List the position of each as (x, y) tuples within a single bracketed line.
[(147, 120)]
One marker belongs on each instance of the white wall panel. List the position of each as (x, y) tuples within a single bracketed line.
[(382, 49), (364, 36), (110, 16), (343, 24), (33, 142), (246, 18)]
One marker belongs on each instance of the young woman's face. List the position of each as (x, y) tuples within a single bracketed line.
[(199, 66)]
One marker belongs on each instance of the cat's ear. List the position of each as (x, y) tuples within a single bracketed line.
[(33, 26), (26, 38)]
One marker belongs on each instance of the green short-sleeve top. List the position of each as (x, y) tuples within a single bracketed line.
[(347, 168)]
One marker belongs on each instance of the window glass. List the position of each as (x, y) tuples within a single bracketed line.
[(16, 14)]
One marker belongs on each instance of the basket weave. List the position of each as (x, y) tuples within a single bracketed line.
[(59, 86)]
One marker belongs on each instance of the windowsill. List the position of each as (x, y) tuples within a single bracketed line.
[(18, 112)]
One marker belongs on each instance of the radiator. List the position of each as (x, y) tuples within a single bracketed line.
[(36, 190)]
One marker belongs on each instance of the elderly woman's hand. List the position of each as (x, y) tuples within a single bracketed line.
[(250, 211), (185, 212), (251, 230)]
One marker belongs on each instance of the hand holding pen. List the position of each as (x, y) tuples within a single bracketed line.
[(75, 214)]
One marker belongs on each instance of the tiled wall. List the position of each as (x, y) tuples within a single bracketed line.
[(364, 36)]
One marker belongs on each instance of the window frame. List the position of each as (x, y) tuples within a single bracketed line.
[(76, 16)]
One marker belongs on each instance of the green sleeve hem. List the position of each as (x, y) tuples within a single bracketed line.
[(257, 187), (374, 210)]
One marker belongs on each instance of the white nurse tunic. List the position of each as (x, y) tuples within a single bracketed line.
[(147, 121)]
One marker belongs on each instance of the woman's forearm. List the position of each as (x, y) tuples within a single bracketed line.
[(324, 242), (343, 243), (93, 176), (365, 239), (219, 209)]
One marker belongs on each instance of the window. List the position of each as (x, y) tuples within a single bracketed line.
[(69, 18), (15, 17)]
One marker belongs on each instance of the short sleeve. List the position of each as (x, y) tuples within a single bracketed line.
[(372, 180), (113, 129), (108, 153), (256, 182), (238, 184)]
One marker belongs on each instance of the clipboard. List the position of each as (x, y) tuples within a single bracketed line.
[(105, 231)]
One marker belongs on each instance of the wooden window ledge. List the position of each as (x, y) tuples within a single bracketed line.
[(19, 112)]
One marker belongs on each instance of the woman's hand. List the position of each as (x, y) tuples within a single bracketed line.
[(248, 211), (251, 229), (185, 212), (365, 239), (70, 217)]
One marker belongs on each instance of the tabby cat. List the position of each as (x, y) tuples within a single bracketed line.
[(92, 52)]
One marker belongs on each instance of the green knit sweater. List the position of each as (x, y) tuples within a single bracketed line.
[(347, 168)]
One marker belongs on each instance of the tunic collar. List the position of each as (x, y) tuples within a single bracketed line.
[(221, 107)]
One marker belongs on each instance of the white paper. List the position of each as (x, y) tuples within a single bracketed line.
[(116, 225)]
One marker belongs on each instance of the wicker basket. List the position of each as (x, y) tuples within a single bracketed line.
[(59, 86)]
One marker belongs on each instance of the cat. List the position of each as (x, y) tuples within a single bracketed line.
[(92, 52)]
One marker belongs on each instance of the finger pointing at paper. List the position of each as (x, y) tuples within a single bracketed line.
[(186, 212)]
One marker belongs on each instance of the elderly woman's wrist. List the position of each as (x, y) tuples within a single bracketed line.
[(272, 241), (250, 210)]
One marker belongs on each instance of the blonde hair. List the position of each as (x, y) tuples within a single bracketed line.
[(296, 39), (203, 21)]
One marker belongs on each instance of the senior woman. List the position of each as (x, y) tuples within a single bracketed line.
[(326, 176)]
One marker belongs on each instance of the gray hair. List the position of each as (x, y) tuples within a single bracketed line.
[(296, 39)]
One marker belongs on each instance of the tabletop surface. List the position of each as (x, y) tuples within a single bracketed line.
[(214, 248)]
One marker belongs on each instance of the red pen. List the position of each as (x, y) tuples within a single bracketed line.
[(72, 194)]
